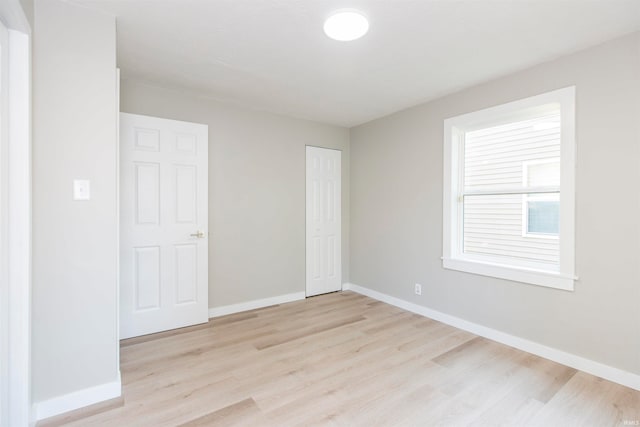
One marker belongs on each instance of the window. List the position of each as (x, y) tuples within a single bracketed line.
[(509, 191)]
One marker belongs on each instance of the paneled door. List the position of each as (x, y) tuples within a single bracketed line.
[(324, 243), (163, 224)]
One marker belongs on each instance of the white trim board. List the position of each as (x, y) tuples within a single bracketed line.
[(589, 366), (18, 238), (252, 305), (78, 399)]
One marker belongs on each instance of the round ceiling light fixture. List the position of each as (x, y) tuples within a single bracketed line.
[(346, 25)]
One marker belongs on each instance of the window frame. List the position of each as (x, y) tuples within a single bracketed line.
[(454, 258)]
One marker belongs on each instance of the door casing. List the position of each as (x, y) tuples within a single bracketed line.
[(15, 218)]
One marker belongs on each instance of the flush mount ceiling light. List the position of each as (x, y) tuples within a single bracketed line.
[(346, 25)]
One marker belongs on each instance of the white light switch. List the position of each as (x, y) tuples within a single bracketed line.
[(81, 189)]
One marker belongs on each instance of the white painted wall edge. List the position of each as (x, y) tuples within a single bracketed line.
[(589, 366), (252, 305), (78, 399)]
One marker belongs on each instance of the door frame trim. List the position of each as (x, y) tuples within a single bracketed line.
[(16, 407)]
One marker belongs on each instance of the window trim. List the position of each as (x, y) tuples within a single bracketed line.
[(454, 129)]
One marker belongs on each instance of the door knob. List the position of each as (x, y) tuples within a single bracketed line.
[(199, 234)]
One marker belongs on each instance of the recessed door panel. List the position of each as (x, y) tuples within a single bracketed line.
[(315, 259), (186, 257), (147, 282), (315, 200), (147, 193), (331, 256), (146, 139), (331, 200), (186, 143), (186, 194)]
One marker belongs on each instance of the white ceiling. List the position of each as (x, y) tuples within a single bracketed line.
[(273, 55)]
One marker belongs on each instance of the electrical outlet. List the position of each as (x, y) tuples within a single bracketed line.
[(418, 289)]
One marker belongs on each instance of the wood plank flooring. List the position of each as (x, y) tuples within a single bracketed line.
[(344, 359)]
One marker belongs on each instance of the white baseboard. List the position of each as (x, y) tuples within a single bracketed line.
[(589, 366), (78, 399), (252, 305)]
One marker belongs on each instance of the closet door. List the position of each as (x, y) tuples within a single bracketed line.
[(324, 246)]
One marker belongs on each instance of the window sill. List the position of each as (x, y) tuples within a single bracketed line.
[(535, 277)]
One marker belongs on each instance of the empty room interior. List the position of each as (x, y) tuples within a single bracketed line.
[(333, 213)]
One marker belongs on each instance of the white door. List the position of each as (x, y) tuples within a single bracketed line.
[(324, 221), (163, 224)]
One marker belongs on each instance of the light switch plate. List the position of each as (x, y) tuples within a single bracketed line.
[(81, 189)]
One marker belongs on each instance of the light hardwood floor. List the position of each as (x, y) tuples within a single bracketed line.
[(344, 359)]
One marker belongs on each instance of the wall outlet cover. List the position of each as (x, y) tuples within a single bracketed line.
[(81, 189)]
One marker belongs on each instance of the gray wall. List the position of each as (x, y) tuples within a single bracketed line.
[(17, 14), (256, 190), (396, 210), (27, 7), (74, 243)]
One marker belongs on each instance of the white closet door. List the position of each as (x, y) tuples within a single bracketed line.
[(164, 223), (324, 245)]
